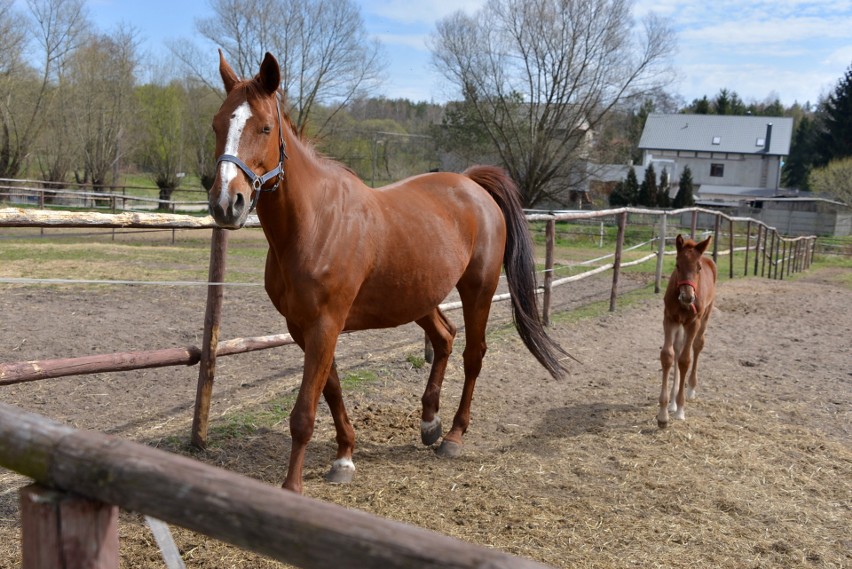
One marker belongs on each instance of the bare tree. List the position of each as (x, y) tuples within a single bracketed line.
[(102, 93), (322, 47), (58, 27), (539, 77)]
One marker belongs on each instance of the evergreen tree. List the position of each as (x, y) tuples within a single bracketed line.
[(835, 138), (684, 197), (663, 191), (648, 189), (631, 187), (799, 163), (618, 198)]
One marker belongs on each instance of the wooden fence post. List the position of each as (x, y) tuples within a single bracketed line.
[(757, 249), (783, 258), (771, 256), (731, 248), (616, 264), (66, 531), (549, 245), (748, 244), (212, 319), (661, 251), (716, 226)]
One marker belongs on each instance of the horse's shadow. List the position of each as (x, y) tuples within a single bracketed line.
[(577, 421)]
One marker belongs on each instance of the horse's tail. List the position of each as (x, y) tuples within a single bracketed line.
[(519, 263)]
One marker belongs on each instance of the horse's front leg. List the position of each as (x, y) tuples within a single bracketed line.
[(319, 356), (683, 362), (343, 469), (667, 354)]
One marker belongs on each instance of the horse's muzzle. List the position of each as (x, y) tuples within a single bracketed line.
[(233, 216)]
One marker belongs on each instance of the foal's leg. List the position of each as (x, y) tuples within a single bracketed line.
[(667, 357), (441, 334), (697, 346), (476, 307), (683, 362), (676, 383)]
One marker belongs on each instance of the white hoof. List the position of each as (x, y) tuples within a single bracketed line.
[(679, 415), (690, 393)]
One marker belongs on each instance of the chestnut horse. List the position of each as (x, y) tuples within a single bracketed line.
[(343, 256), (688, 303)]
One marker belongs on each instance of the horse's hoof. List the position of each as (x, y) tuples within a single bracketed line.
[(430, 432), (662, 424), (342, 472), (449, 449)]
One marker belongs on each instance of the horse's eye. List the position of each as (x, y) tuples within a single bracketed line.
[(267, 129)]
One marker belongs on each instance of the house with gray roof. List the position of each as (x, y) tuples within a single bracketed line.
[(731, 157)]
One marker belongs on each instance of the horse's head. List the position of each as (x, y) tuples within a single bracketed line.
[(249, 142), (688, 268)]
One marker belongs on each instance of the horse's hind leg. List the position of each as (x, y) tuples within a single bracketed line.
[(441, 334), (476, 307)]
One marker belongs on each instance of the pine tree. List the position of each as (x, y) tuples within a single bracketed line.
[(631, 187), (802, 156), (648, 189), (835, 138), (618, 198), (684, 197), (663, 191)]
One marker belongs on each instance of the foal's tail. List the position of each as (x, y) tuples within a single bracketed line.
[(519, 263)]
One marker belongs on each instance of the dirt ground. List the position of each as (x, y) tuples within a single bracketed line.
[(571, 473)]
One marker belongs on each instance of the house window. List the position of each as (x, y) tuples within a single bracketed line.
[(717, 140), (760, 142), (717, 170)]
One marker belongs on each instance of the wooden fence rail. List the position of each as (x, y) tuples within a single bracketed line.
[(232, 508), (773, 256)]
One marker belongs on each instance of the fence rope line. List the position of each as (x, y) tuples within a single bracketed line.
[(25, 280)]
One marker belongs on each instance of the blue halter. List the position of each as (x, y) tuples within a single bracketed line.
[(257, 182)]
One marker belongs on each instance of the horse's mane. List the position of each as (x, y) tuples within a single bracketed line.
[(254, 89)]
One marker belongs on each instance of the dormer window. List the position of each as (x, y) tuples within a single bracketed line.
[(717, 140)]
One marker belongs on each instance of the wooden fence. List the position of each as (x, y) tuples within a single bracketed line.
[(42, 193), (771, 255)]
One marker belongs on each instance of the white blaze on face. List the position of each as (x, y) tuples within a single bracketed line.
[(228, 170)]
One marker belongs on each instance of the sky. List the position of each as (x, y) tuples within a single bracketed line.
[(793, 50)]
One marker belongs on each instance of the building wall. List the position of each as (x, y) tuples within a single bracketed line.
[(754, 171)]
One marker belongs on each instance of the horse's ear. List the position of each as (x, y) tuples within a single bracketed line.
[(270, 73), (701, 247), (229, 78), (679, 242)]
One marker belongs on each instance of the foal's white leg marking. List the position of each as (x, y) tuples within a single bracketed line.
[(429, 425), (690, 393), (232, 145)]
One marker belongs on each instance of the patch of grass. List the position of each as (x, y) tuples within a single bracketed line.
[(248, 422), (417, 362), (356, 378)]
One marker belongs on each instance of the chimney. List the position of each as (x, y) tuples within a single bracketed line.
[(768, 140)]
